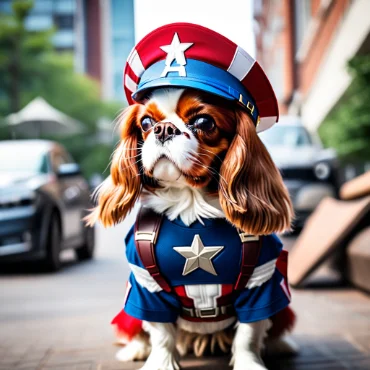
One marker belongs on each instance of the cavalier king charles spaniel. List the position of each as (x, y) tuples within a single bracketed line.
[(191, 155)]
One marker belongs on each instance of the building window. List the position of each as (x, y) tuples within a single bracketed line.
[(123, 39), (64, 39), (63, 21), (65, 6), (38, 22), (42, 6)]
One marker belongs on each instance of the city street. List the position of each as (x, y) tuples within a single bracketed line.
[(62, 321), (68, 314)]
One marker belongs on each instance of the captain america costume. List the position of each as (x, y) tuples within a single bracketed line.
[(201, 264), (194, 272)]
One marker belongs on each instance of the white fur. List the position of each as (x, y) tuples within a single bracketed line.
[(190, 204), (165, 170), (180, 150), (138, 349), (166, 99), (164, 355), (247, 345)]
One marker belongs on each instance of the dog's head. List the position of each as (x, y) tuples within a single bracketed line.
[(189, 138)]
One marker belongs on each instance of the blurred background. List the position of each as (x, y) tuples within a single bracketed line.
[(61, 64)]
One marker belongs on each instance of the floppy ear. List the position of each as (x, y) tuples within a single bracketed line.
[(118, 193), (252, 193)]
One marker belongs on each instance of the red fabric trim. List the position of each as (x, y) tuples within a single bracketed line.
[(282, 266), (258, 85), (227, 291), (132, 74), (185, 300), (126, 326), (282, 263)]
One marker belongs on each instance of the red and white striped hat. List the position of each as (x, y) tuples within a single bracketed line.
[(189, 55)]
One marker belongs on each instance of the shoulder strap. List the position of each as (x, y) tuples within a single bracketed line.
[(251, 247), (146, 232)]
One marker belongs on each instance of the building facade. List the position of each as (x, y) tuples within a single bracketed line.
[(109, 34), (305, 45)]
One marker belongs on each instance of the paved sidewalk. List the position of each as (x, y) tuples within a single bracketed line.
[(333, 330)]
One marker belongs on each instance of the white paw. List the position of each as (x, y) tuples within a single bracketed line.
[(161, 360), (245, 360), (135, 350), (281, 347)]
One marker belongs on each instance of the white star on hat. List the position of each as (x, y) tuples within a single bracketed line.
[(198, 256), (176, 50)]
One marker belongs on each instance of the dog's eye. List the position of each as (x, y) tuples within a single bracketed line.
[(147, 123), (203, 122)]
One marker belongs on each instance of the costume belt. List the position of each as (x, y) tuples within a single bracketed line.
[(205, 313)]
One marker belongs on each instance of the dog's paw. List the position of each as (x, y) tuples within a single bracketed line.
[(135, 350), (249, 366), (161, 360), (245, 360), (281, 347)]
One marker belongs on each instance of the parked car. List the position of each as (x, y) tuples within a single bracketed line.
[(43, 198), (310, 172)]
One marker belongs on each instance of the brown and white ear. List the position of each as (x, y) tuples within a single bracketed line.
[(252, 193), (117, 195)]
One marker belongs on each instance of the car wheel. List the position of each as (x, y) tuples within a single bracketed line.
[(52, 260), (86, 251)]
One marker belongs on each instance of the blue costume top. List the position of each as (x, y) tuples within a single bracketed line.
[(218, 267)]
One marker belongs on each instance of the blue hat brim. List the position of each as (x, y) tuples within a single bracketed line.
[(181, 83), (199, 75)]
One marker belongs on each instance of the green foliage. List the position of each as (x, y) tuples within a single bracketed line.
[(21, 52), (74, 94), (347, 128), (30, 67)]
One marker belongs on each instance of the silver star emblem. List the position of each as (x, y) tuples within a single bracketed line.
[(176, 51), (198, 256)]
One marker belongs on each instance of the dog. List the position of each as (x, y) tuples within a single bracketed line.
[(193, 157)]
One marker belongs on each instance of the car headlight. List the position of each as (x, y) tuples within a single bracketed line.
[(322, 170), (19, 199)]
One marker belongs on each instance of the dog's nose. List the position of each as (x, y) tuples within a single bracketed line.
[(164, 131)]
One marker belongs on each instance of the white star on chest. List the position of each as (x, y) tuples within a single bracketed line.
[(175, 51), (198, 256)]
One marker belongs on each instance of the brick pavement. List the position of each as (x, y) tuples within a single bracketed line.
[(333, 331)]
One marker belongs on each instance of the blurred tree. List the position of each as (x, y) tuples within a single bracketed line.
[(347, 127), (30, 67), (15, 48)]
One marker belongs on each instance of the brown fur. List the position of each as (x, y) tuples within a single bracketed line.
[(118, 194), (232, 161), (252, 193)]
